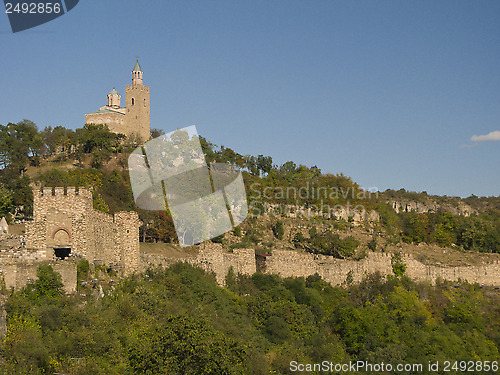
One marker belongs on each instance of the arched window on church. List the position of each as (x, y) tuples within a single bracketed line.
[(132, 101), (144, 102)]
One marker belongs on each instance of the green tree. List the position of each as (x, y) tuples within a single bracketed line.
[(6, 201), (155, 133), (58, 140), (20, 144), (25, 347), (264, 163), (100, 157), (416, 227), (48, 284), (278, 230), (288, 169), (182, 345), (252, 165), (348, 246), (19, 190), (97, 137)]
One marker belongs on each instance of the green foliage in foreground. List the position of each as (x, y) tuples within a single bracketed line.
[(178, 321)]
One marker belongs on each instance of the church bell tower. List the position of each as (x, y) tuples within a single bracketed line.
[(137, 105)]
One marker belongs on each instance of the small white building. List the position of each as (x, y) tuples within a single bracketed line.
[(4, 227)]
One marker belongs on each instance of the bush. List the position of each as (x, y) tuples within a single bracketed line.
[(348, 246), (372, 245), (278, 230), (277, 329), (48, 284), (398, 265), (218, 239), (237, 231)]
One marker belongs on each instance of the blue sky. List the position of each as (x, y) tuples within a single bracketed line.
[(387, 92)]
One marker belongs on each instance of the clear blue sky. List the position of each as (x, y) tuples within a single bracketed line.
[(387, 92)]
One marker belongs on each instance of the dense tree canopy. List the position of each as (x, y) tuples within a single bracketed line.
[(178, 321)]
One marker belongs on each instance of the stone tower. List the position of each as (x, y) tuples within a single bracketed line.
[(137, 116), (65, 224)]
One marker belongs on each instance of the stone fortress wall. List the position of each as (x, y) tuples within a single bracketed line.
[(289, 263), (211, 257), (17, 275), (65, 219)]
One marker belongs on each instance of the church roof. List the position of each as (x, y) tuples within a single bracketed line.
[(137, 67), (113, 92), (106, 110)]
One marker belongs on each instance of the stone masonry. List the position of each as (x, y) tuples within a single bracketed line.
[(65, 219), (288, 263), (293, 264)]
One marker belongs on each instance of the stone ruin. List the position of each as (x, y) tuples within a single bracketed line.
[(66, 225), (290, 263)]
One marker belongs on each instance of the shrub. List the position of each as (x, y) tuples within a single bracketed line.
[(237, 231), (398, 265), (348, 246), (278, 230)]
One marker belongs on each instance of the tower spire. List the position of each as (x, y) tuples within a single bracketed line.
[(137, 74)]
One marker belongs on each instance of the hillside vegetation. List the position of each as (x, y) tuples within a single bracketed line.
[(178, 321)]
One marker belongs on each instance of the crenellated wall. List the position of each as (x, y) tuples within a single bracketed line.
[(127, 239), (66, 218), (212, 258)]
